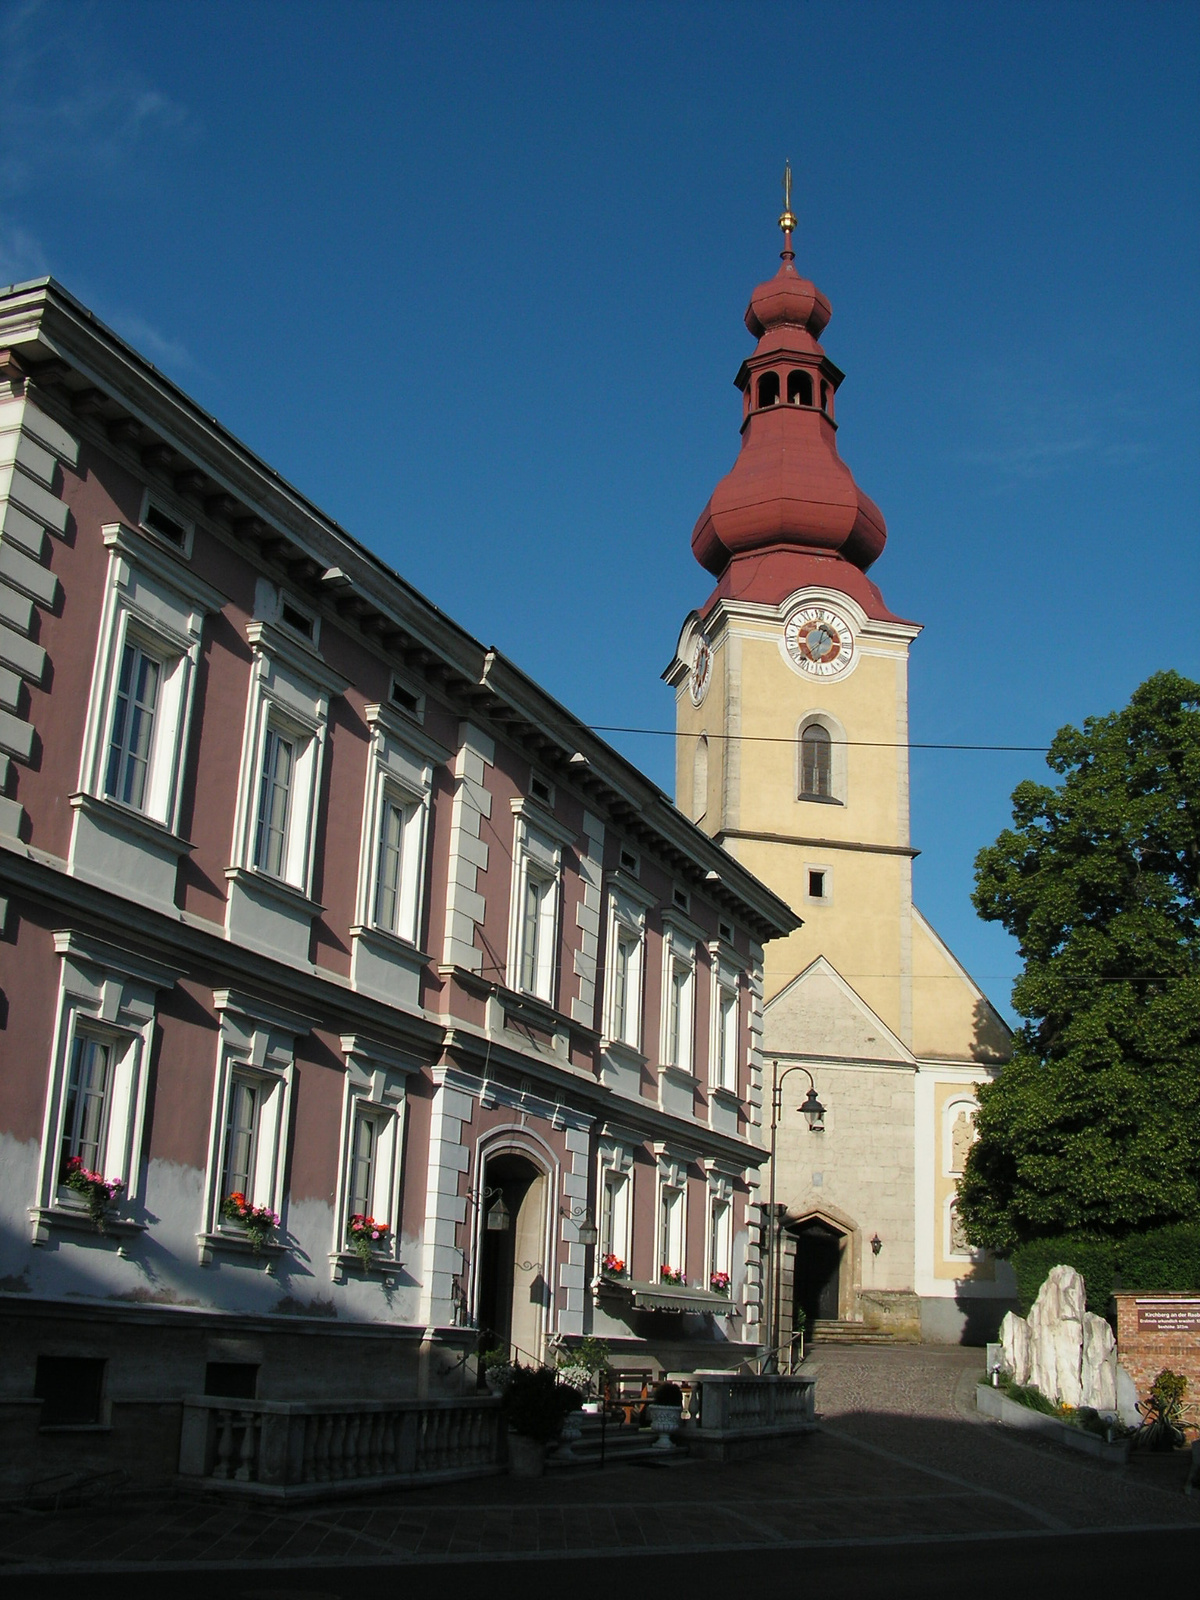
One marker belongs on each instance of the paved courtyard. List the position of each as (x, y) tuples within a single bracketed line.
[(902, 1459)]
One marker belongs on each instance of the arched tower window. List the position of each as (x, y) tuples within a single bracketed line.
[(700, 778), (768, 389), (816, 762), (800, 389)]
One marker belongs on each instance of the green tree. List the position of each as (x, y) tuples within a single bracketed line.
[(1095, 1123)]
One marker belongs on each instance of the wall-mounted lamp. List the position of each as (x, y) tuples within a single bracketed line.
[(876, 1244), (589, 1234), (497, 1217)]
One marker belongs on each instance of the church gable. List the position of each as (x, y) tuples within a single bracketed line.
[(819, 1014), (953, 1020)]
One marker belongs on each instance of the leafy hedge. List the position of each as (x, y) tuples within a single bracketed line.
[(1158, 1261), (1093, 1259), (1162, 1259)]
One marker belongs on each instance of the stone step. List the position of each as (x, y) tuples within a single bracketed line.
[(621, 1443), (841, 1332)]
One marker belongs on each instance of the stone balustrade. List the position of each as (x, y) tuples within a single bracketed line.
[(732, 1415), (287, 1450)]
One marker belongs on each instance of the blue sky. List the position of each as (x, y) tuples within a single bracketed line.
[(473, 277)]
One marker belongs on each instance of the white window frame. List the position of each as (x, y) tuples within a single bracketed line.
[(257, 1044), (400, 771), (376, 1087), (538, 843), (628, 903), (678, 961), (289, 695), (720, 1236), (719, 1240), (725, 1026), (671, 1229), (614, 1186), (109, 995), (157, 605)]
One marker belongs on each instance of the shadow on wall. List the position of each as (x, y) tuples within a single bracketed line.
[(992, 1037)]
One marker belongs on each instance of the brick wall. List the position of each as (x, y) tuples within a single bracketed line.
[(1158, 1331)]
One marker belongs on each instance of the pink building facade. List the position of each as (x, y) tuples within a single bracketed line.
[(311, 899)]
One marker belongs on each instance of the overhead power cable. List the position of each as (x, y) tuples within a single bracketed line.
[(779, 738)]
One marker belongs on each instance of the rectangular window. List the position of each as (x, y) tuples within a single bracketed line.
[(85, 1120), (614, 1221), (274, 801), (391, 861), (725, 1074), (671, 1240), (363, 1152), (625, 987), (71, 1389), (537, 936), (720, 1241), (241, 1138), (678, 1014), (132, 733), (816, 885)]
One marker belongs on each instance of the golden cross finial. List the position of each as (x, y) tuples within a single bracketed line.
[(787, 221)]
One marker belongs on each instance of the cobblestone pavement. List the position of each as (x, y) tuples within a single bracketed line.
[(902, 1458)]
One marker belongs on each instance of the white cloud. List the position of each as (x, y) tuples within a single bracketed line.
[(21, 255)]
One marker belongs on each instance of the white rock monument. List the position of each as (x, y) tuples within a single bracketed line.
[(1062, 1349)]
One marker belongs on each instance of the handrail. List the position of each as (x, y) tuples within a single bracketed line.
[(769, 1361)]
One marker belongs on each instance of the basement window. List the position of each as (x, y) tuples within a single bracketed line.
[(71, 1389), (682, 900), (232, 1380), (541, 790), (629, 863), (725, 929)]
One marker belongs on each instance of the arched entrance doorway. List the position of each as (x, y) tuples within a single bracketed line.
[(514, 1292), (818, 1260)]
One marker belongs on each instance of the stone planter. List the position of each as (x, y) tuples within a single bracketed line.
[(664, 1421), (526, 1457), (570, 1436)]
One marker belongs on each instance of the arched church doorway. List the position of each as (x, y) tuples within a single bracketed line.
[(817, 1270), (514, 1291)]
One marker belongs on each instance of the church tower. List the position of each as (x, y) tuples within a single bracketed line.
[(792, 750)]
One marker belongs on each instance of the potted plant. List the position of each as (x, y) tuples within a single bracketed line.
[(665, 1413), (496, 1368), (257, 1222), (367, 1238), (612, 1267), (99, 1194), (669, 1274), (1162, 1413), (535, 1404), (718, 1282)]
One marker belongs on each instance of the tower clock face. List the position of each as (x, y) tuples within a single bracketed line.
[(819, 641), (701, 670)]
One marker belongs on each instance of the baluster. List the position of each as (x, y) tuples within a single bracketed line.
[(224, 1462), (321, 1452), (337, 1441), (421, 1464), (391, 1432), (378, 1422), (354, 1432), (247, 1455), (307, 1469)]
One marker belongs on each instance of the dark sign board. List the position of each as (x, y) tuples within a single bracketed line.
[(1168, 1316)]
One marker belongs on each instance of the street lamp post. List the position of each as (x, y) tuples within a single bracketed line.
[(814, 1112)]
